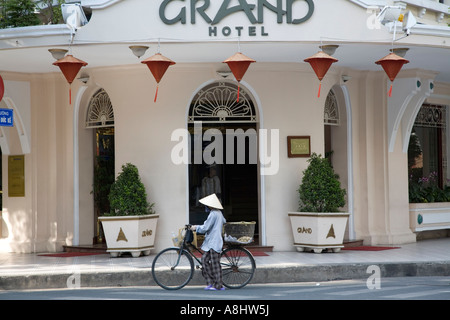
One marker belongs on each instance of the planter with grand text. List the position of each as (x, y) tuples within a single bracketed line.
[(130, 226), (319, 225), (134, 234), (318, 230)]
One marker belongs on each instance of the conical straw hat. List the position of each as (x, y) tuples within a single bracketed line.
[(211, 201)]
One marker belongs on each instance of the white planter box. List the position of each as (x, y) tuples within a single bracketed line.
[(135, 234), (318, 231), (429, 216)]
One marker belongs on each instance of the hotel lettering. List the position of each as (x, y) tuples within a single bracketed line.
[(191, 11)]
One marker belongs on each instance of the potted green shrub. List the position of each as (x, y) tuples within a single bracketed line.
[(131, 223), (319, 225)]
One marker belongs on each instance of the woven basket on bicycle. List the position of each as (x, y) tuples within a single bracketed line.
[(239, 232)]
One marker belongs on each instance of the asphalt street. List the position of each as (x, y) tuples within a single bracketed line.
[(404, 288)]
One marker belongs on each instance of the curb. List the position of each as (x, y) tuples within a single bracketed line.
[(263, 274), (348, 272)]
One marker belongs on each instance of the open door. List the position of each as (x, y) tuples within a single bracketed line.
[(233, 175)]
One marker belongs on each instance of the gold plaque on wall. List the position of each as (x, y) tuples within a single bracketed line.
[(16, 176), (299, 146)]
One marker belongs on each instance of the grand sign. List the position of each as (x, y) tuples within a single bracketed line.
[(286, 11)]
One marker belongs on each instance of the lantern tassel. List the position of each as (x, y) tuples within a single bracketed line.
[(70, 94), (320, 85), (390, 90), (156, 93)]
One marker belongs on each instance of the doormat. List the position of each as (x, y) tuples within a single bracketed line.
[(369, 248), (70, 254)]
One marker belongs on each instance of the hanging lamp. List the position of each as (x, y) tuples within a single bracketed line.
[(158, 65), (70, 66), (320, 62), (392, 65), (238, 64)]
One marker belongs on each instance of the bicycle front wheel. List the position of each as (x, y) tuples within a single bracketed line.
[(238, 267), (172, 269)]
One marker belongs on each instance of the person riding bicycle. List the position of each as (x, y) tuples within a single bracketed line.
[(213, 243)]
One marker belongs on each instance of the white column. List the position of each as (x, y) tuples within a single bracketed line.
[(76, 166)]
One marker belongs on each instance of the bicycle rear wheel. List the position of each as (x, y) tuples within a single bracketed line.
[(172, 270), (238, 267)]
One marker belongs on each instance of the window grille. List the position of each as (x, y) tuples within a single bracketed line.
[(331, 112), (100, 113), (431, 116), (217, 102)]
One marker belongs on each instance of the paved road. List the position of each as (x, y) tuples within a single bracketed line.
[(408, 288), (257, 301)]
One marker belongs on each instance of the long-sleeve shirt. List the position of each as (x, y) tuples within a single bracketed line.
[(212, 228)]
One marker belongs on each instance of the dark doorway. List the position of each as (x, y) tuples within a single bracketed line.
[(103, 176), (234, 180)]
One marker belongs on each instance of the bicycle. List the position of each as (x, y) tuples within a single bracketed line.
[(173, 267)]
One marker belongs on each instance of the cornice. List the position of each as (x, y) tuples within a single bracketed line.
[(98, 4), (35, 31)]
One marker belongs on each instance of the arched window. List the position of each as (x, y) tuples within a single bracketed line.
[(100, 113), (217, 102), (331, 112)]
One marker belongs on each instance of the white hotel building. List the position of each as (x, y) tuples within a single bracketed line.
[(46, 195)]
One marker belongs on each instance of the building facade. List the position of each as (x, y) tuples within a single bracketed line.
[(185, 142)]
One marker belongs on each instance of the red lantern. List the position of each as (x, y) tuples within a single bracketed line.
[(158, 65), (70, 66), (239, 64), (2, 88), (321, 62), (392, 64)]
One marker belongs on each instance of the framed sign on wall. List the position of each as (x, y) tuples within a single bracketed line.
[(16, 176), (299, 146)]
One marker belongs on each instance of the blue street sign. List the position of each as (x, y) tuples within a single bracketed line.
[(6, 118)]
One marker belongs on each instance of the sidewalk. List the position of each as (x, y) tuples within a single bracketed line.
[(34, 271)]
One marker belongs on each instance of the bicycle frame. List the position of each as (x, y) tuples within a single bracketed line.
[(185, 246)]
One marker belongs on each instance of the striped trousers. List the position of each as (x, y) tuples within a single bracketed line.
[(212, 271)]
